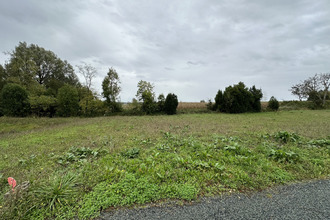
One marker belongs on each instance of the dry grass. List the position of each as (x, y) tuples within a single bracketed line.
[(191, 105)]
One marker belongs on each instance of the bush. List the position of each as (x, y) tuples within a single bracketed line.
[(68, 101), (149, 106), (161, 103), (43, 105), (238, 99), (14, 101), (273, 104), (171, 103)]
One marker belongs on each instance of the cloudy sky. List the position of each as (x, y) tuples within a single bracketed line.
[(189, 47)]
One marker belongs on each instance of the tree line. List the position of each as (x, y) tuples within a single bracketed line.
[(36, 81)]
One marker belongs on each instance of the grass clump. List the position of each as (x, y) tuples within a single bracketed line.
[(78, 155)]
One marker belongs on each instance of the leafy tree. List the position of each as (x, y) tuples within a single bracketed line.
[(95, 106), (314, 88), (43, 105), (256, 96), (171, 103), (161, 103), (219, 100), (238, 99), (273, 104), (147, 96), (14, 100), (2, 77), (30, 64), (149, 105), (111, 90), (68, 101), (144, 86)]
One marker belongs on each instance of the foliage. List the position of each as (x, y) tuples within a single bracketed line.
[(286, 137), (171, 103), (30, 64), (282, 156), (91, 106), (68, 101), (181, 158), (111, 90), (238, 99), (144, 87), (2, 77), (57, 192), (315, 88), (79, 155), (149, 106), (43, 105), (219, 101), (131, 153), (161, 103), (273, 104), (14, 100)]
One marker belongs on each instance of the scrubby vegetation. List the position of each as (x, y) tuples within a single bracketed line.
[(78, 167), (238, 99), (273, 104)]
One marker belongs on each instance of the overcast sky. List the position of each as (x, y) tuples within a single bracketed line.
[(188, 47)]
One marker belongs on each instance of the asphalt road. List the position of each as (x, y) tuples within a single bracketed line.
[(308, 200)]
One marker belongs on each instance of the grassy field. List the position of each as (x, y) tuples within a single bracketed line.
[(79, 166)]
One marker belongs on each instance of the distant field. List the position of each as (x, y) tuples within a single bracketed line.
[(191, 105), (90, 164)]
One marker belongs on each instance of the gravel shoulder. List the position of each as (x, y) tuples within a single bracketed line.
[(307, 200)]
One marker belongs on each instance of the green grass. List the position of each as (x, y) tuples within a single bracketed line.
[(80, 166)]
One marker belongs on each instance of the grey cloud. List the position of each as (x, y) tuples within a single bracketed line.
[(192, 48)]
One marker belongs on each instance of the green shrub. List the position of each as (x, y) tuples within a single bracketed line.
[(283, 156), (14, 101), (273, 104), (161, 103), (238, 99), (286, 137), (131, 153), (68, 101), (149, 106), (171, 103), (43, 105)]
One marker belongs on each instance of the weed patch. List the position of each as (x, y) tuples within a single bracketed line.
[(154, 158)]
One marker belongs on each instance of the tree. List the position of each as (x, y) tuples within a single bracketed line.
[(2, 77), (43, 105), (273, 104), (30, 65), (89, 73), (68, 101), (171, 103), (14, 100), (314, 88), (161, 103), (256, 95), (111, 90), (144, 86), (218, 101), (238, 99), (147, 96), (149, 105)]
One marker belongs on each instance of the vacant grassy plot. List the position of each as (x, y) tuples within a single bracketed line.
[(79, 166)]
